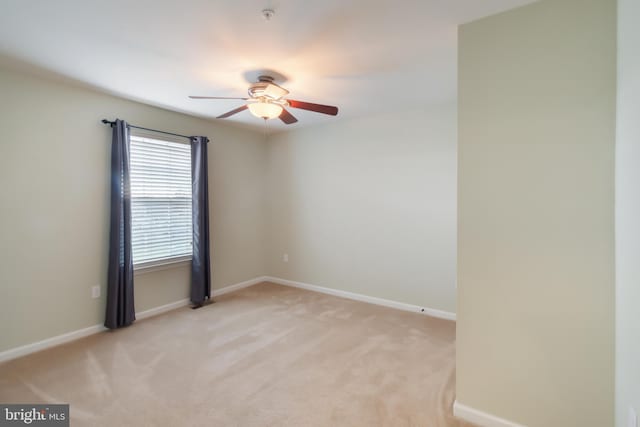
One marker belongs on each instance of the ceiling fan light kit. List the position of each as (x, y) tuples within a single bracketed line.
[(265, 110), (266, 101)]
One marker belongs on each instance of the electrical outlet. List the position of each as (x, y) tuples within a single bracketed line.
[(95, 291), (285, 258), (633, 418)]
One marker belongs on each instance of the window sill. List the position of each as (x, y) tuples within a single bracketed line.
[(163, 264)]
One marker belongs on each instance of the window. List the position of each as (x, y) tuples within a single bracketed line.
[(160, 200)]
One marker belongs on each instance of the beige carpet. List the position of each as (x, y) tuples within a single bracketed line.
[(268, 355)]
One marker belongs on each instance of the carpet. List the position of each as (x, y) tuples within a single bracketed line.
[(268, 355)]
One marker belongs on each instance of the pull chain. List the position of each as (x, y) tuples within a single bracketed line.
[(266, 128)]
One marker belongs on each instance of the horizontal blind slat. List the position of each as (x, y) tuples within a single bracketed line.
[(160, 199)]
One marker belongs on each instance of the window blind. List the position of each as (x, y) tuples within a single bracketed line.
[(160, 200)]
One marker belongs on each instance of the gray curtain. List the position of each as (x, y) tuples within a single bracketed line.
[(200, 264), (120, 308)]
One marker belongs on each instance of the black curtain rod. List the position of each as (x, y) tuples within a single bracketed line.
[(107, 122)]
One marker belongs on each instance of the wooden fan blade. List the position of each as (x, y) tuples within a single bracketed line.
[(232, 112), (318, 108), (287, 117), (214, 97)]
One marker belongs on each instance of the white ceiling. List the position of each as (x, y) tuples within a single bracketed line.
[(364, 56)]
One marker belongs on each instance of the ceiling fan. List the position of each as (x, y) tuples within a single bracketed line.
[(266, 100)]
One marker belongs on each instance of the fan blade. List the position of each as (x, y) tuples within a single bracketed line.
[(318, 108), (214, 97), (232, 112), (287, 117)]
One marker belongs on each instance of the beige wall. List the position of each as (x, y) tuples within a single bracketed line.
[(338, 199), (535, 331), (368, 206), (54, 158), (628, 213)]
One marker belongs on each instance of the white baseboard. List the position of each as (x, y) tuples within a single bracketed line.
[(81, 333), (162, 309), (364, 298), (237, 286), (480, 418), (24, 350), (16, 352)]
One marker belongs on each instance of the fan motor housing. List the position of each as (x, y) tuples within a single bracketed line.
[(265, 88)]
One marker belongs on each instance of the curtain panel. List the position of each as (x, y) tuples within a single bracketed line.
[(120, 306), (201, 262)]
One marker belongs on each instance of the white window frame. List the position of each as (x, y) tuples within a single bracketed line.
[(164, 263)]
